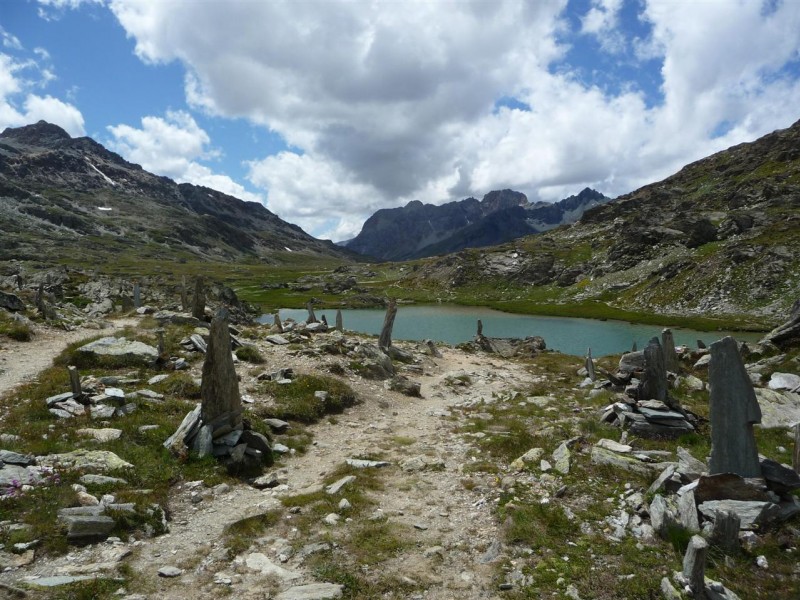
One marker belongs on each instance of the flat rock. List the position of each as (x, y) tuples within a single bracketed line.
[(121, 347), (84, 529), (751, 514), (90, 479), (58, 398), (58, 580), (278, 340), (421, 463), (778, 408), (259, 562), (86, 460), (784, 381), (336, 487), (561, 456), (157, 379), (529, 459), (277, 425), (101, 435), (170, 572), (689, 466), (312, 591), (602, 456), (359, 463), (15, 458), (614, 446)]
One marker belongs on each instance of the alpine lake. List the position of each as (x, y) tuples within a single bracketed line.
[(456, 324)]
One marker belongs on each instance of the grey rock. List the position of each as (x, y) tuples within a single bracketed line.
[(170, 572), (780, 479), (219, 389), (203, 443), (86, 529), (724, 531), (784, 381), (102, 411), (689, 466), (157, 379), (101, 461), (778, 408), (561, 457), (631, 361), (312, 591), (133, 351), (601, 456), (402, 384), (15, 458), (733, 411), (374, 363), (90, 479), (11, 302), (336, 487), (59, 580), (752, 514), (166, 316), (277, 425), (198, 343), (359, 463), (687, 513), (654, 379), (670, 357), (189, 426), (665, 481), (58, 398), (694, 564), (277, 340)]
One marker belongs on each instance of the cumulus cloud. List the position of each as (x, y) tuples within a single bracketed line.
[(18, 106), (172, 146), (387, 101)]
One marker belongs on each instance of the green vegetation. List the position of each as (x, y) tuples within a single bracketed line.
[(298, 401), (15, 330), (250, 354)]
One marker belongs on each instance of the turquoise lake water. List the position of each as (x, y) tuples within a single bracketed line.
[(456, 324)]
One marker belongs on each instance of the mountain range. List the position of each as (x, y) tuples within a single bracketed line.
[(418, 230), (65, 196), (719, 237)]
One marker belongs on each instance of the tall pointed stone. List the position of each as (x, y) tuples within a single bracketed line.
[(670, 356), (733, 411), (184, 294), (137, 294), (339, 322), (221, 404), (590, 365), (694, 565), (654, 379), (199, 301), (278, 323), (312, 318), (385, 340)]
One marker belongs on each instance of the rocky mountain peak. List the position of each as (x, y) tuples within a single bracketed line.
[(502, 199), (43, 134)]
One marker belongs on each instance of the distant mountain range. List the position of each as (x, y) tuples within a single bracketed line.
[(62, 196), (417, 230)]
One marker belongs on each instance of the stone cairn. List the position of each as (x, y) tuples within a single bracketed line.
[(215, 427), (649, 410), (738, 493)]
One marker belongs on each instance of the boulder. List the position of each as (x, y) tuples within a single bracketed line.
[(752, 514), (778, 408), (11, 302), (101, 461), (133, 351)]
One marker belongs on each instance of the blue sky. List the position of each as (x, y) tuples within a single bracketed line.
[(328, 110)]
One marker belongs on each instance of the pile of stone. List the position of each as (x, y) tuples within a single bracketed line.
[(647, 409), (100, 398), (509, 347), (215, 427)]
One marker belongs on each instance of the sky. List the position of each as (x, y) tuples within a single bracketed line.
[(328, 110)]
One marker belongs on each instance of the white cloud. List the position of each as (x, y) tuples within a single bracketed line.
[(602, 21), (172, 146), (19, 107), (388, 101)]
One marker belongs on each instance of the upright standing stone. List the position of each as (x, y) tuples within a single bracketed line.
[(701, 345), (670, 356), (75, 381), (199, 302), (480, 328), (324, 321), (161, 346), (590, 365), (339, 322), (184, 294), (633, 347), (796, 457), (312, 318), (725, 531), (221, 404), (385, 340), (137, 294), (733, 411), (654, 379), (694, 565), (278, 323)]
